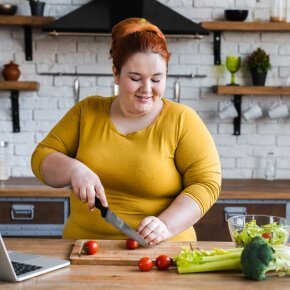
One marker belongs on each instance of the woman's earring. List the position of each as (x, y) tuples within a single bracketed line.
[(116, 90)]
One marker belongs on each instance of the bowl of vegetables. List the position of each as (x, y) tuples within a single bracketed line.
[(243, 228)]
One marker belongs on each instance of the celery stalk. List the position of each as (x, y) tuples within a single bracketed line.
[(193, 261), (232, 264)]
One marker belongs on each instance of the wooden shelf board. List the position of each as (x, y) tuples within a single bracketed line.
[(246, 26), (19, 86), (252, 90), (26, 20)]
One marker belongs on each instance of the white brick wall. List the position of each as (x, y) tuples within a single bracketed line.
[(241, 156)]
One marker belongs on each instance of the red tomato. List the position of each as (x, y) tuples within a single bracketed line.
[(145, 264), (131, 244), (163, 262), (267, 236), (91, 247)]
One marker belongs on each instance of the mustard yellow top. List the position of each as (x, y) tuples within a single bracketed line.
[(142, 172)]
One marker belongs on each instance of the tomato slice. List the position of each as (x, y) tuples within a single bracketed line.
[(267, 236), (145, 264)]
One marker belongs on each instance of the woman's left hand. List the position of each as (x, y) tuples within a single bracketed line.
[(153, 230)]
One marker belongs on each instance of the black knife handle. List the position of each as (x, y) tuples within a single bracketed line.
[(101, 207)]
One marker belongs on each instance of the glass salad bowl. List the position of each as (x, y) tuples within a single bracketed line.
[(275, 230)]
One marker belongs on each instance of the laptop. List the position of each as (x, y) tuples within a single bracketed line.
[(16, 266)]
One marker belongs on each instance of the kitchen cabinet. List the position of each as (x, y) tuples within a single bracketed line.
[(243, 196), (14, 87), (28, 208), (256, 195), (22, 216), (27, 22), (214, 227)]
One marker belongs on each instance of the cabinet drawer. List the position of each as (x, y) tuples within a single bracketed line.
[(33, 216), (213, 226), (33, 212)]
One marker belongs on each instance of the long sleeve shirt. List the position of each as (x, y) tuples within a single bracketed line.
[(142, 172)]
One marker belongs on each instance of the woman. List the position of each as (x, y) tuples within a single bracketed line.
[(152, 160)]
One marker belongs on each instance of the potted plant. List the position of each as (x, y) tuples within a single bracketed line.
[(259, 64), (37, 7)]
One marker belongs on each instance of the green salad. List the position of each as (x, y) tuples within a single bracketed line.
[(273, 233)]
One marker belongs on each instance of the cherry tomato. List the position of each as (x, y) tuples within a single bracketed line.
[(163, 262), (91, 247), (145, 264), (131, 244), (267, 236)]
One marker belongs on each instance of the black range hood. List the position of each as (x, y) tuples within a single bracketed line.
[(99, 16)]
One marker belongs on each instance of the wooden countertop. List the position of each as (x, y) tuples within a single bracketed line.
[(30, 187), (255, 189), (128, 277), (231, 189)]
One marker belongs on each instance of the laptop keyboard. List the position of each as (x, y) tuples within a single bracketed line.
[(21, 268)]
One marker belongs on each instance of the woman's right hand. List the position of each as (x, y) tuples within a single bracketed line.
[(87, 186)]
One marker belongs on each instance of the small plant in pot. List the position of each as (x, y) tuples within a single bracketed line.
[(259, 64), (37, 7)]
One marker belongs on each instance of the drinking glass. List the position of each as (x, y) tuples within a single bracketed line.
[(233, 64), (270, 167)]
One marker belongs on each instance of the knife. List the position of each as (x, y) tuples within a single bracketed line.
[(118, 223)]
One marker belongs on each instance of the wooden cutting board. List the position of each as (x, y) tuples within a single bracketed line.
[(116, 253)]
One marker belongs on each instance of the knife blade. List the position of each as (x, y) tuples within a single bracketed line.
[(118, 223)]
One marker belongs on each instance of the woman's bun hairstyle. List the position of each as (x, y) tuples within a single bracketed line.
[(134, 35)]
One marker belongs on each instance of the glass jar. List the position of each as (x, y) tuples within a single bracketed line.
[(4, 161), (278, 11), (270, 166), (261, 12)]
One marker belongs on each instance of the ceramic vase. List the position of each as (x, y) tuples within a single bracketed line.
[(11, 72)]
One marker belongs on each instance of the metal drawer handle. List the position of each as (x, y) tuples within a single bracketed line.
[(23, 212), (232, 211)]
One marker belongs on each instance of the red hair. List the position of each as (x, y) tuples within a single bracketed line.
[(134, 35)]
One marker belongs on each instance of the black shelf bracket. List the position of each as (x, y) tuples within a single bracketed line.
[(237, 120), (217, 47), (15, 111), (28, 42)]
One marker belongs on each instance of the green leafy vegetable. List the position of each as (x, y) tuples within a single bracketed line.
[(277, 234), (192, 261), (257, 258)]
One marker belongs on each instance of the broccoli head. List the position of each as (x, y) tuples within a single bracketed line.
[(256, 258)]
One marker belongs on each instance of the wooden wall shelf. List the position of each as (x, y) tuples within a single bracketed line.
[(19, 86), (14, 87), (217, 27), (27, 22), (239, 91), (246, 26), (252, 90)]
